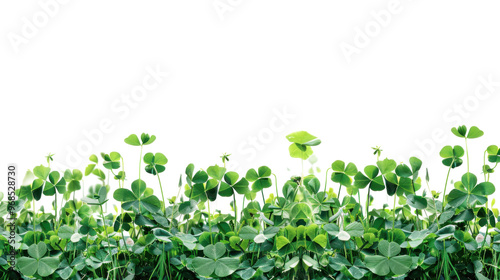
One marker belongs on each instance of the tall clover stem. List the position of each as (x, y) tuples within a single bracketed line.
[(302, 174), (445, 185), (140, 185), (393, 216), (55, 208), (468, 173), (276, 185), (209, 222), (34, 221), (161, 189), (367, 206), (326, 180), (107, 236), (235, 212)]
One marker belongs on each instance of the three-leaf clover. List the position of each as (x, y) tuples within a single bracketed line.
[(55, 182), (342, 174), (145, 139), (301, 145), (469, 192), (98, 199), (140, 195), (493, 154), (452, 156), (259, 178), (91, 168), (111, 161), (372, 178), (73, 178), (214, 262), (231, 184), (473, 132), (155, 163), (37, 263), (389, 261)]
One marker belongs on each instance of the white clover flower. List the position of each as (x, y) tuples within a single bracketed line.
[(479, 238), (129, 242), (76, 237)]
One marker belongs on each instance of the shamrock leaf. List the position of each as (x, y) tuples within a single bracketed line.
[(461, 132), (371, 179), (155, 163), (145, 139), (111, 161), (261, 178), (452, 156), (342, 174), (231, 184), (493, 154), (301, 144), (389, 261), (468, 191)]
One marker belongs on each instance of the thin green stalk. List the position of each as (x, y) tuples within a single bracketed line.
[(235, 212), (173, 208), (367, 206), (467, 150), (484, 163), (161, 189), (55, 209), (468, 173), (326, 180), (107, 236), (140, 162), (446, 184), (209, 222), (34, 221), (276, 184), (393, 216), (302, 174)]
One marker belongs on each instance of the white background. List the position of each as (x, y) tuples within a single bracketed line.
[(398, 74)]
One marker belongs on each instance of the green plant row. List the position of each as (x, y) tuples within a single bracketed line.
[(302, 230)]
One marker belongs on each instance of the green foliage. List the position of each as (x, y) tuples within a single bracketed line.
[(306, 232)]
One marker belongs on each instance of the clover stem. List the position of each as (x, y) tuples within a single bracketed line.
[(484, 164), (55, 209), (161, 189), (393, 216), (209, 222), (140, 161), (276, 184), (173, 207), (446, 184), (433, 199), (34, 221), (107, 236), (467, 150), (302, 174), (235, 212), (263, 198), (340, 188), (367, 206), (139, 199), (326, 179)]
